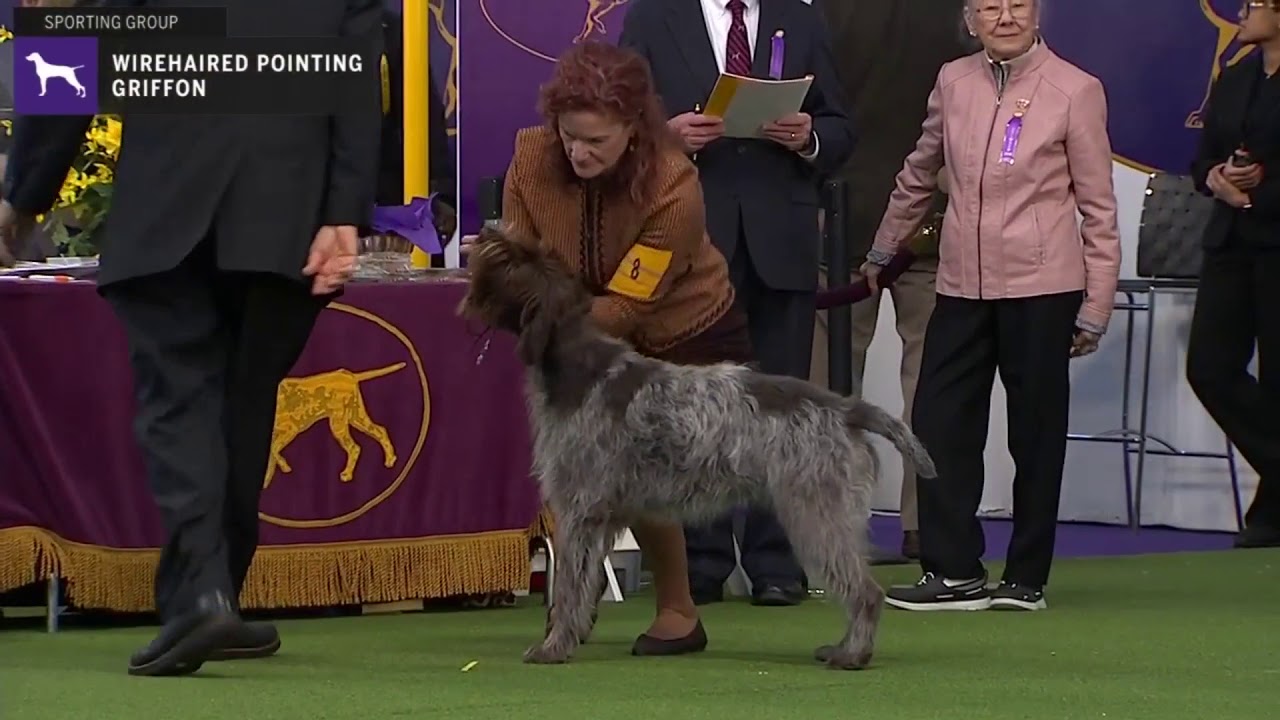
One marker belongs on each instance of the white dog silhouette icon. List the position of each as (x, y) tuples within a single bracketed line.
[(46, 70)]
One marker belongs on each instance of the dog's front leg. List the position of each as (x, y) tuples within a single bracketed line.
[(580, 549)]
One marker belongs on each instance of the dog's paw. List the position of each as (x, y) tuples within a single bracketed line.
[(823, 653), (844, 660), (543, 655)]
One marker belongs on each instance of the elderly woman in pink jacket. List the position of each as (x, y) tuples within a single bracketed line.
[(1022, 287)]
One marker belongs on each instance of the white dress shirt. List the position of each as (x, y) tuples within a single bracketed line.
[(719, 19)]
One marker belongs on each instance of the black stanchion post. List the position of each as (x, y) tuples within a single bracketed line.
[(489, 198), (839, 274)]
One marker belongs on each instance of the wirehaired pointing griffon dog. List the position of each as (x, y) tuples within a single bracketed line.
[(618, 436)]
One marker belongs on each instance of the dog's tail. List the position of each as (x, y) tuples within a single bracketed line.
[(865, 416), (76, 67)]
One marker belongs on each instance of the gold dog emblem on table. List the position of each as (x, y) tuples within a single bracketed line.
[(334, 396)]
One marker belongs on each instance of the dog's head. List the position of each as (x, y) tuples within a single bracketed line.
[(522, 290), (34, 57)]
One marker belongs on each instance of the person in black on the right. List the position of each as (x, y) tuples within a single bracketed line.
[(1238, 303)]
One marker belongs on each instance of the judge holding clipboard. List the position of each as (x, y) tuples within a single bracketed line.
[(761, 199)]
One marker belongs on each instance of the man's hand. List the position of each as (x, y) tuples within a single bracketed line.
[(794, 132), (696, 130), (1223, 189), (14, 229), (446, 218), (467, 244), (8, 231), (1244, 177), (332, 259), (871, 273), (1084, 343)]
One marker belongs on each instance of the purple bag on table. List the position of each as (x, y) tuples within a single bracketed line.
[(414, 222)]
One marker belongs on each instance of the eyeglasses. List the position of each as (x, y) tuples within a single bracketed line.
[(1251, 5), (992, 11)]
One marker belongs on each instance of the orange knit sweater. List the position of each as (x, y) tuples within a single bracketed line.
[(657, 278)]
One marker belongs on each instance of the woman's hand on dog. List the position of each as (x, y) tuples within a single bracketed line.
[(467, 244)]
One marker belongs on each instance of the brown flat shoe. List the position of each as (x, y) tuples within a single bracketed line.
[(695, 641)]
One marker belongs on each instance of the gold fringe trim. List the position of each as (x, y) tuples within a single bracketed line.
[(282, 576), (544, 525), (27, 555)]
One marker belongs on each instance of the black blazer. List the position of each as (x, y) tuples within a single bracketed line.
[(259, 185), (755, 189), (1225, 131)]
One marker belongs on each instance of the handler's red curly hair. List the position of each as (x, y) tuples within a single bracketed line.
[(598, 77)]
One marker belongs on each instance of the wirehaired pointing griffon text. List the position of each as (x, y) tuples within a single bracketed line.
[(618, 435)]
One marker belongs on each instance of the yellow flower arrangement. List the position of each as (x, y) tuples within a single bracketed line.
[(85, 196)]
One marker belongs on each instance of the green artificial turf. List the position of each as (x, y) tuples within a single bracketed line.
[(1174, 637)]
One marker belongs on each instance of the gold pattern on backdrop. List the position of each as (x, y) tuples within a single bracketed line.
[(440, 10), (593, 26), (337, 399)]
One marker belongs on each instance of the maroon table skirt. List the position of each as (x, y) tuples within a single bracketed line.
[(410, 481)]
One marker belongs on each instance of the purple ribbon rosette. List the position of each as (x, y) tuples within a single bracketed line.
[(413, 222), (1012, 132), (777, 54)]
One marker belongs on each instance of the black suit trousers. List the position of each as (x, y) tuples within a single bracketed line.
[(208, 349), (1028, 341), (1236, 312), (781, 326)]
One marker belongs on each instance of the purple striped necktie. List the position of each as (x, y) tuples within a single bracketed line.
[(737, 56)]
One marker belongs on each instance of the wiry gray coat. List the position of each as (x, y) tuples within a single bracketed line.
[(619, 435)]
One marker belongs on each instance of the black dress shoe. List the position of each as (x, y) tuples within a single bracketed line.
[(186, 642), (248, 641), (1258, 536), (778, 595), (695, 641)]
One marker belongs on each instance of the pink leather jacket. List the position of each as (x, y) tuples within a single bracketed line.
[(1011, 230)]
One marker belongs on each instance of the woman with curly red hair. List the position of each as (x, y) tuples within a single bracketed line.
[(605, 187)]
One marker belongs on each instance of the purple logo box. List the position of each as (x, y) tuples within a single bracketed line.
[(55, 75)]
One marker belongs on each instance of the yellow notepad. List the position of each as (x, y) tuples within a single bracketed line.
[(746, 103)]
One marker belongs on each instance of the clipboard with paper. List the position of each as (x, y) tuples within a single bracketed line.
[(746, 103)]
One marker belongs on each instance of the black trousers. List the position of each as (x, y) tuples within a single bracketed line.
[(1238, 309), (208, 349), (1028, 341), (781, 326)]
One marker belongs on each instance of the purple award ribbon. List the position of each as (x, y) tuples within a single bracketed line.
[(1012, 132), (413, 222), (777, 53)]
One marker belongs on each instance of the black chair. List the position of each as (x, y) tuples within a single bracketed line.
[(1174, 216)]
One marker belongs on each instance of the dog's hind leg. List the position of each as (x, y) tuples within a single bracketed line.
[(831, 538), (580, 549)]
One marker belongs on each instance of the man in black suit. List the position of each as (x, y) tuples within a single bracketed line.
[(889, 54), (761, 197), (227, 236)]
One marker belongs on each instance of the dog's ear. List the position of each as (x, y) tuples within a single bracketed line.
[(557, 301), (537, 330)]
